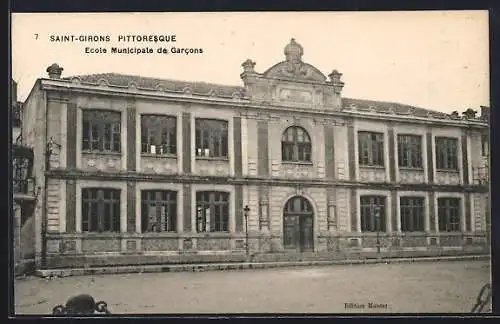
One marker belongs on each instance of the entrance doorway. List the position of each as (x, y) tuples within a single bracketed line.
[(298, 233)]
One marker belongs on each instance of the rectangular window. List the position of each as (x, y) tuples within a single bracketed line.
[(212, 211), (369, 220), (410, 151), (16, 115), (100, 210), (412, 214), (158, 134), (449, 214), (101, 131), (446, 153), (159, 211), (211, 138), (20, 174), (371, 149), (485, 145)]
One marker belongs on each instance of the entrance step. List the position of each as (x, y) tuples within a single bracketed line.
[(54, 273)]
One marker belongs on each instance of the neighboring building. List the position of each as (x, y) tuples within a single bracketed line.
[(141, 170), (23, 193), (15, 114)]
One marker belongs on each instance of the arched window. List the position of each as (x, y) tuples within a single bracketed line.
[(298, 206), (295, 145)]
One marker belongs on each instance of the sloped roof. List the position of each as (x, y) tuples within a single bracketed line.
[(205, 88), (386, 107), (152, 83)]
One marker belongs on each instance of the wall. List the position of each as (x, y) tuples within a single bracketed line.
[(34, 136), (336, 222)]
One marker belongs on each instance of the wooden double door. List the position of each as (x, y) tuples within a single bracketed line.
[(298, 233), (298, 225)]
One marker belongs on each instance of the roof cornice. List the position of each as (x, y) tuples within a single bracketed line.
[(245, 103)]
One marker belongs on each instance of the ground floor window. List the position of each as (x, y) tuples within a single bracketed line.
[(449, 214), (412, 214), (159, 211), (212, 211), (369, 206), (100, 210)]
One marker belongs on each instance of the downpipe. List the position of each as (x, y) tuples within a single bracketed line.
[(44, 214), (47, 153)]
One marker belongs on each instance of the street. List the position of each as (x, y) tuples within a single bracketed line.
[(423, 287)]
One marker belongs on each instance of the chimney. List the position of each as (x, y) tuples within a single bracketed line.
[(335, 81), (485, 113), (14, 92), (54, 71)]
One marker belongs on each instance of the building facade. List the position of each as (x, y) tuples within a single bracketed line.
[(24, 193), (140, 170)]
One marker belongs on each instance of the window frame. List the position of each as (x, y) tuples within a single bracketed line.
[(219, 211), (303, 204), (368, 220), (412, 213), (101, 128), (446, 223), (294, 149), (446, 150), (159, 199), (93, 209), (211, 135), (371, 149), (159, 131), (410, 151), (485, 145)]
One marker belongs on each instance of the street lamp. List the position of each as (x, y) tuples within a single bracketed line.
[(377, 220), (246, 210)]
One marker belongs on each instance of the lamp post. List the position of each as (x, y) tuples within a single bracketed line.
[(377, 221), (246, 210)]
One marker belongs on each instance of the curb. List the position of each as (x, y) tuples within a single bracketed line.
[(54, 273)]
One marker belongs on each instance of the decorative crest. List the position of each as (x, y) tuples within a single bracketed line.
[(294, 51)]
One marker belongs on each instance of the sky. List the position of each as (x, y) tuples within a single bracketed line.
[(432, 59)]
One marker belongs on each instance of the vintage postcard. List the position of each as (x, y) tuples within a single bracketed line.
[(251, 163)]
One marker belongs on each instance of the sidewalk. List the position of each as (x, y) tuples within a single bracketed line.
[(242, 265)]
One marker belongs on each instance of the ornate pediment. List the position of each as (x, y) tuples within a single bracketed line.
[(293, 68), (295, 71), (293, 82)]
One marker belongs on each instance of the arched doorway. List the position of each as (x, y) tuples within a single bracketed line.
[(298, 232)]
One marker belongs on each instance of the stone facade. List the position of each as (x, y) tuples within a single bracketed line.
[(291, 93)]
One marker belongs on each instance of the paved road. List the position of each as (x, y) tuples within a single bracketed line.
[(419, 287)]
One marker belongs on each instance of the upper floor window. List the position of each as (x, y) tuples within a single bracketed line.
[(446, 153), (211, 138), (295, 145), (369, 220), (21, 173), (101, 131), (158, 134), (100, 210), (159, 211), (485, 145), (16, 115), (212, 211), (371, 149), (412, 214), (449, 214), (410, 151)]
